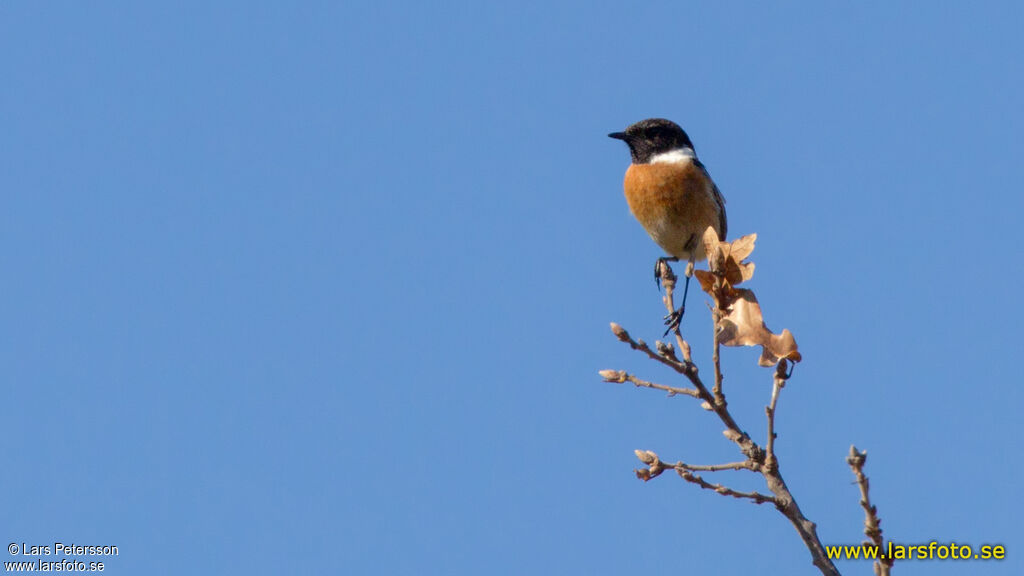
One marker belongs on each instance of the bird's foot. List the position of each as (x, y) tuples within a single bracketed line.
[(672, 320)]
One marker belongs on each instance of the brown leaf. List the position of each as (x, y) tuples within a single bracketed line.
[(711, 241), (726, 258), (746, 271), (707, 280), (742, 247), (743, 325), (733, 272), (737, 271), (713, 249)]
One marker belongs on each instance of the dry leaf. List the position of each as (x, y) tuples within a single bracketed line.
[(746, 271), (706, 279), (712, 246), (743, 325), (726, 259), (735, 269), (742, 247)]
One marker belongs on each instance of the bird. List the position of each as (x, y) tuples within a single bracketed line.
[(672, 195)]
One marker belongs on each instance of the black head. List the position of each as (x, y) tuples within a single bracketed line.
[(653, 136)]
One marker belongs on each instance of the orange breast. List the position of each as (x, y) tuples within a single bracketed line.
[(675, 203)]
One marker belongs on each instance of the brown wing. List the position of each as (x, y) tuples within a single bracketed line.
[(718, 199)]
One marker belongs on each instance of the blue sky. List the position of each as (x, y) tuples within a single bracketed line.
[(325, 287)]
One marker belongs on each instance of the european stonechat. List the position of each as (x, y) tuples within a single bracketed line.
[(672, 195)]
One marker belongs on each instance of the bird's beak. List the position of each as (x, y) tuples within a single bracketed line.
[(618, 135)]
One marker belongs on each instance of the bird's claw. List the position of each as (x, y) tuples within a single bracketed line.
[(657, 269), (673, 319)]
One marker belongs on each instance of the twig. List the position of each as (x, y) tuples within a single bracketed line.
[(670, 361), (655, 466), (621, 376), (777, 384), (716, 391), (872, 523), (716, 316), (745, 465), (668, 281), (756, 497)]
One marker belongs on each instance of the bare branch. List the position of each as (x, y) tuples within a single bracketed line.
[(621, 376), (670, 361), (872, 523), (668, 280), (655, 467), (654, 462), (744, 465), (689, 369), (756, 497), (777, 384), (764, 461), (716, 316)]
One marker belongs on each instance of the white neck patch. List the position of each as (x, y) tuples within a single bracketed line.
[(677, 156)]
